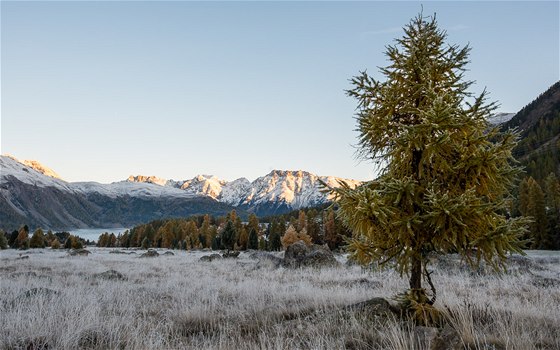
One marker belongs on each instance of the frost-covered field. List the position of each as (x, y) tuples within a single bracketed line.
[(57, 301)]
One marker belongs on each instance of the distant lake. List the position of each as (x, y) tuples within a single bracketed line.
[(93, 233)]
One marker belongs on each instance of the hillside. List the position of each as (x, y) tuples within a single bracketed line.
[(539, 126)]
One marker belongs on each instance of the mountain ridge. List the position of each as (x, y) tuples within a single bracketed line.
[(28, 196)]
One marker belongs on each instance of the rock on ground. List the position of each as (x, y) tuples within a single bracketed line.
[(79, 252), (210, 257), (150, 254), (299, 254)]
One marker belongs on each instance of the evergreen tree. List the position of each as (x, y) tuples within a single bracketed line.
[(55, 244), (205, 232), (243, 240), (253, 224), (75, 242), (103, 240), (302, 221), (313, 227), (444, 177), (167, 239), (37, 239), (50, 237), (22, 240), (68, 242), (3, 240), (262, 244), (274, 236), (228, 235), (536, 211), (216, 242), (523, 198), (12, 239), (253, 239), (552, 196)]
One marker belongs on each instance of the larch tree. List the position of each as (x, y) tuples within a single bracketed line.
[(37, 239), (22, 240), (445, 176)]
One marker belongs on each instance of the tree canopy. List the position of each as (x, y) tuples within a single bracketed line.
[(446, 176)]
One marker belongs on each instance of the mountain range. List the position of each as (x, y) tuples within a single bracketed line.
[(33, 194)]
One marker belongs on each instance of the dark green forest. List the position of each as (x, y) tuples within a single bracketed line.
[(538, 152)]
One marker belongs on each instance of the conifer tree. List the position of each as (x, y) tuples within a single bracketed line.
[(274, 236), (552, 194), (76, 242), (37, 239), (302, 221), (534, 208), (292, 235), (313, 227), (68, 243), (206, 232), (253, 223), (3, 240), (22, 240), (228, 235), (445, 178), (263, 244), (55, 244), (243, 240), (253, 239)]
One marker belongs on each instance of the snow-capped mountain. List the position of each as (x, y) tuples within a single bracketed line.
[(500, 118), (30, 194), (35, 165), (277, 191)]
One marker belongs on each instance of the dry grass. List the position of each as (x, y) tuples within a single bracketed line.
[(180, 302)]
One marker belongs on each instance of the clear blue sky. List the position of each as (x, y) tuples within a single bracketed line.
[(101, 90)]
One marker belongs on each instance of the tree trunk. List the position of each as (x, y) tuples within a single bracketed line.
[(416, 273), (416, 264)]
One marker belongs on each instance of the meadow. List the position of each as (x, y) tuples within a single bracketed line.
[(51, 300)]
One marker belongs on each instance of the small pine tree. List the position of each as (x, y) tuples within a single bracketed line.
[(253, 239), (228, 235), (55, 244), (262, 244), (274, 240), (76, 242), (22, 241), (68, 243), (3, 240), (243, 240), (37, 239), (292, 235)]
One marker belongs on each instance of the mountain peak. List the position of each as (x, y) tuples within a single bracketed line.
[(147, 179), (35, 165)]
